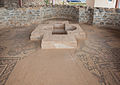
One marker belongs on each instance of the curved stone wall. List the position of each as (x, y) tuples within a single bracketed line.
[(106, 17), (27, 16)]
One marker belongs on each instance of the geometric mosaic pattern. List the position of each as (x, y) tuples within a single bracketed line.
[(101, 59), (14, 45), (6, 67)]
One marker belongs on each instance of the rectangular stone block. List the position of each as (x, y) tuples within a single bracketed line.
[(59, 42)]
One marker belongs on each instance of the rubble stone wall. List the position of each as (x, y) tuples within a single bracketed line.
[(11, 3), (32, 3), (85, 15), (29, 15), (106, 17)]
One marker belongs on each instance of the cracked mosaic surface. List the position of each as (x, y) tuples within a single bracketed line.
[(7, 64), (99, 57), (14, 45), (100, 52)]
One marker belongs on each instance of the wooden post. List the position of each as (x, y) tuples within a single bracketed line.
[(20, 3), (117, 3)]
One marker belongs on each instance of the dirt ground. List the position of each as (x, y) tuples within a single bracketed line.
[(96, 62)]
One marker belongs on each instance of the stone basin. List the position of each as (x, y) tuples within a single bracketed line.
[(58, 35)]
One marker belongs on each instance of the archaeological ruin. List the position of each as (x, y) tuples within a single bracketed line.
[(59, 42)]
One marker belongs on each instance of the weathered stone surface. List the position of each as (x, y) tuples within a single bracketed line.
[(59, 42), (44, 33), (30, 15), (100, 54), (106, 17)]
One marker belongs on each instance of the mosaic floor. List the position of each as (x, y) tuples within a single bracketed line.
[(99, 54)]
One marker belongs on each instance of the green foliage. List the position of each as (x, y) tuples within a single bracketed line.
[(46, 2)]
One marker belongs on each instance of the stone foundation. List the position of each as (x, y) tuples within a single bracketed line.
[(65, 35)]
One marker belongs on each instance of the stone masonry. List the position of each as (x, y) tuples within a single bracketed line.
[(58, 35), (11, 4), (29, 15), (106, 17)]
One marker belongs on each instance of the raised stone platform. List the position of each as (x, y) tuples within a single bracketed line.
[(58, 35), (59, 42)]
